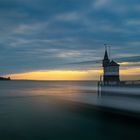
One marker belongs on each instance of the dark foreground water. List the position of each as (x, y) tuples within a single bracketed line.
[(32, 110)]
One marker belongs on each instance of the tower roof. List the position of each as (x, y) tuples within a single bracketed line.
[(113, 63), (106, 55)]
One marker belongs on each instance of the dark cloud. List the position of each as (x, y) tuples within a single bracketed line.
[(53, 34)]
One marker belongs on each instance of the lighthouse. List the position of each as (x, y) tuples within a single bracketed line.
[(110, 69)]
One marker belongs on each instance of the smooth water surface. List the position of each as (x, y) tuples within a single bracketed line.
[(29, 111)]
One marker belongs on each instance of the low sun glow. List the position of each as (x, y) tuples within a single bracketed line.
[(70, 74), (58, 75)]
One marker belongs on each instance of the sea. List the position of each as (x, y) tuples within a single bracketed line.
[(58, 110)]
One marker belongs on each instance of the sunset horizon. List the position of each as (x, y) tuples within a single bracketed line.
[(69, 69), (67, 38), (130, 74)]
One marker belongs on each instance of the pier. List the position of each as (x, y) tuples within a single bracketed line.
[(110, 83)]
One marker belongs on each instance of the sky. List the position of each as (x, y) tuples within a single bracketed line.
[(64, 39)]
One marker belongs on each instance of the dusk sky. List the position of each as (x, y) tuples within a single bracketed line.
[(64, 39)]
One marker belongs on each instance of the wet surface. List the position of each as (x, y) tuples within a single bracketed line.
[(39, 117)]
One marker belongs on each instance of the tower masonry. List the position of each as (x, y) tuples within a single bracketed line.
[(111, 69)]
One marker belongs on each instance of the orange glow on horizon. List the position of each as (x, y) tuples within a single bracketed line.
[(70, 75), (58, 75), (130, 71)]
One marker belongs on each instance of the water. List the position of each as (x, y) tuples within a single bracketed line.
[(33, 110)]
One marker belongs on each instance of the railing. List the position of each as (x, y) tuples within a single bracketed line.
[(123, 88), (121, 83)]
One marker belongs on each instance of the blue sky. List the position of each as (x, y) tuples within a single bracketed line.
[(67, 34)]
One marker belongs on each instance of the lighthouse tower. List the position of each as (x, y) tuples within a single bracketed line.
[(111, 69)]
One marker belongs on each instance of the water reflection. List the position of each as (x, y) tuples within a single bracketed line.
[(34, 88), (30, 110), (79, 91)]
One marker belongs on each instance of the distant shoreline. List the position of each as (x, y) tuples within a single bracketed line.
[(5, 79)]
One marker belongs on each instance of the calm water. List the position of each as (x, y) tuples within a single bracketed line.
[(29, 111)]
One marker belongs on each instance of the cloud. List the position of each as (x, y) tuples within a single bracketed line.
[(54, 34), (123, 61), (71, 16), (101, 3)]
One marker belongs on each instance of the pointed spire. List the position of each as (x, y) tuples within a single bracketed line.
[(106, 53), (106, 60)]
